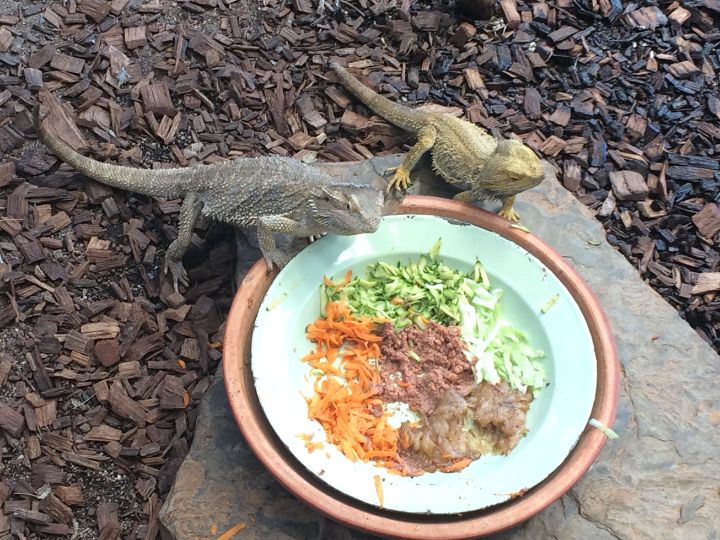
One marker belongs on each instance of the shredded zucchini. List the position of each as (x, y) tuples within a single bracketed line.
[(597, 424), (550, 303)]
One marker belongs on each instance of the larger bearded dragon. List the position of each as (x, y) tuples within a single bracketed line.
[(464, 154), (274, 194)]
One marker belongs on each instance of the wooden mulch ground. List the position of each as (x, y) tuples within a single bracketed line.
[(102, 365)]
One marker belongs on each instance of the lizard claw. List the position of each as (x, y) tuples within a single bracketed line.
[(276, 257), (507, 210), (509, 214), (178, 272), (400, 180), (315, 237)]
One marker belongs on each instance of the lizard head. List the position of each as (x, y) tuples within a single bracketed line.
[(512, 168), (346, 208)]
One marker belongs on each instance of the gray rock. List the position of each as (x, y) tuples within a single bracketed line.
[(658, 480)]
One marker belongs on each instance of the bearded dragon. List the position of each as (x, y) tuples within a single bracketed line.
[(464, 154), (274, 194)]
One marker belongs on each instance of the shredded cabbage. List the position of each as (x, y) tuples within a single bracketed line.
[(502, 351)]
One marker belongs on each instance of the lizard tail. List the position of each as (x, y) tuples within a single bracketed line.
[(403, 117), (160, 183)]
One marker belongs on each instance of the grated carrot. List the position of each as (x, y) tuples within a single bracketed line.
[(340, 284), (457, 466), (232, 532), (345, 402), (312, 446), (379, 490)]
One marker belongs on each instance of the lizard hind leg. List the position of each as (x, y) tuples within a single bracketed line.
[(189, 214), (465, 197), (177, 271), (401, 178)]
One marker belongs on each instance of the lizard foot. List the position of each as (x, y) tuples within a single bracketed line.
[(315, 237), (178, 272), (276, 257), (507, 210), (400, 180), (509, 213)]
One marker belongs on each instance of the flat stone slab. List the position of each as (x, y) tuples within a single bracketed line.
[(660, 479)]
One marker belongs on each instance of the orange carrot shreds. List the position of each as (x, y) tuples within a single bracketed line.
[(345, 398), (312, 446), (340, 284), (513, 494), (457, 466), (230, 533), (379, 490)]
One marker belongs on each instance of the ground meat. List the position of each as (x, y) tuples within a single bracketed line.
[(442, 366), (501, 412), (489, 419)]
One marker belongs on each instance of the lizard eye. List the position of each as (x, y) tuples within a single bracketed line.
[(349, 205)]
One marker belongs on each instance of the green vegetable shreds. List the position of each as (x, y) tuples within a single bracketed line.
[(422, 291), (429, 290)]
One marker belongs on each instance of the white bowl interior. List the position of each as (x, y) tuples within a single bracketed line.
[(557, 416)]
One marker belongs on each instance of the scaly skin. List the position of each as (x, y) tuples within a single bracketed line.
[(464, 154), (274, 194)]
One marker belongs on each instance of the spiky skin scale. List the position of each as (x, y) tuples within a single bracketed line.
[(464, 154), (274, 194)]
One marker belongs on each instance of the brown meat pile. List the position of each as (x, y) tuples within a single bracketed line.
[(490, 419), (442, 365), (439, 439), (501, 412), (459, 420)]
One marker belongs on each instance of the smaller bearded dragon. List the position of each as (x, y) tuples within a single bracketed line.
[(464, 154), (274, 194)]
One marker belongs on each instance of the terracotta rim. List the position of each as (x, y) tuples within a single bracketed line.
[(277, 459)]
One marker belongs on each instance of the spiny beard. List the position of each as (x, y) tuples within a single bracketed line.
[(326, 221)]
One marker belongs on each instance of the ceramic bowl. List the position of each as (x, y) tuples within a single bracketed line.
[(571, 450)]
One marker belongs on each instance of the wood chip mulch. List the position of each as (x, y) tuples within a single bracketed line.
[(102, 365)]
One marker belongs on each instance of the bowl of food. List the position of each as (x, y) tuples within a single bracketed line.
[(434, 379)]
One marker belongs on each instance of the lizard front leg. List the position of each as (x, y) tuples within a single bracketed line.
[(189, 213), (507, 210), (401, 178), (266, 227)]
